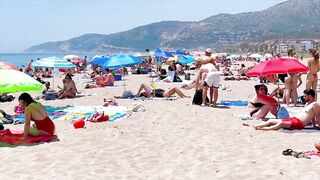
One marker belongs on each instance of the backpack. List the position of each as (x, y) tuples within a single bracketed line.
[(197, 98)]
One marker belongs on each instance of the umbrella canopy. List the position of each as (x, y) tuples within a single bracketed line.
[(255, 56), (21, 82), (161, 53), (77, 60), (5, 65), (186, 59), (98, 60), (53, 62), (278, 66), (122, 60), (69, 57)]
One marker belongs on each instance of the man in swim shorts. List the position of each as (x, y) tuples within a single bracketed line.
[(212, 81), (310, 114)]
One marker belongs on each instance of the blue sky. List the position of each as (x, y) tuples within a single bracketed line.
[(25, 23)]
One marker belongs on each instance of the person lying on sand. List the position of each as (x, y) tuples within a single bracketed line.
[(149, 92), (309, 115)]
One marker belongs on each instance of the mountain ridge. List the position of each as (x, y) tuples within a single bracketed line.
[(289, 19)]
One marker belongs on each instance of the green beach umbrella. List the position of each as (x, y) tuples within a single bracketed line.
[(13, 81)]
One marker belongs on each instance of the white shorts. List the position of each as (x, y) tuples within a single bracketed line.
[(213, 79)]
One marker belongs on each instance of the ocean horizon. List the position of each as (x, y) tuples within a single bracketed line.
[(22, 59)]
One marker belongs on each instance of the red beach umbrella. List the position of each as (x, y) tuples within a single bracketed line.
[(278, 66), (5, 65), (77, 60)]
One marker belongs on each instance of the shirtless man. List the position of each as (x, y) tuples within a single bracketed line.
[(309, 115), (209, 75)]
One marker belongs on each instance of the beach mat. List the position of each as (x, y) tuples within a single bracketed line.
[(233, 103), (8, 137)]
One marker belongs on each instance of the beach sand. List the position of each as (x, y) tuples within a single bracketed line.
[(170, 140)]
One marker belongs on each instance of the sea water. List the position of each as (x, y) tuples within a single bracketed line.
[(20, 60)]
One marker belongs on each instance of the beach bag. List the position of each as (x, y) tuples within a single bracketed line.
[(127, 94), (197, 98), (50, 95), (187, 76), (176, 79), (283, 113)]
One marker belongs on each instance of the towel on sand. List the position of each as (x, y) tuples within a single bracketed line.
[(14, 138)]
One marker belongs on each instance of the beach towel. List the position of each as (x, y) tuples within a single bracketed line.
[(234, 103), (13, 138)]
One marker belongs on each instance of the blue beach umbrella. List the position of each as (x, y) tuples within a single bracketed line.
[(53, 62), (162, 53), (122, 60), (185, 59), (99, 60)]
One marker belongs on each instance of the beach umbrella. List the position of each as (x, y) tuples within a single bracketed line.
[(278, 66), (21, 82), (121, 60), (257, 56), (53, 62), (69, 57), (161, 53), (186, 59), (98, 60), (77, 60), (5, 65)]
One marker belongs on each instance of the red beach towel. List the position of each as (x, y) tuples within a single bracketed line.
[(13, 137)]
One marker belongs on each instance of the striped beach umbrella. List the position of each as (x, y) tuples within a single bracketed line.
[(53, 62), (21, 82)]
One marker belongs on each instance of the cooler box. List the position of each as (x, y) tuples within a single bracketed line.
[(117, 77)]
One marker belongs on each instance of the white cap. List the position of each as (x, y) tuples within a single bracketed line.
[(208, 50)]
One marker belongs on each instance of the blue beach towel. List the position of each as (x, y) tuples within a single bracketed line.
[(234, 103)]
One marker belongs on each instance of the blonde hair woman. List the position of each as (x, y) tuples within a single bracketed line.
[(312, 75)]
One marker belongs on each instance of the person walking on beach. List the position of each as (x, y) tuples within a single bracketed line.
[(309, 115), (34, 111), (312, 75)]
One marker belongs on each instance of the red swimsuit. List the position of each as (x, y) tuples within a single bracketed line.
[(45, 124)]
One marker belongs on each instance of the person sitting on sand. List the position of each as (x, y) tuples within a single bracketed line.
[(69, 89), (34, 111), (109, 81), (150, 92), (309, 115), (263, 103), (98, 79)]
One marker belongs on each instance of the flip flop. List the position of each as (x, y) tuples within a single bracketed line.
[(287, 152)]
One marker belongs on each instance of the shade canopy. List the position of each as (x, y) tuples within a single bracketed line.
[(5, 65), (161, 53), (21, 82), (53, 62), (278, 66), (122, 60), (71, 56)]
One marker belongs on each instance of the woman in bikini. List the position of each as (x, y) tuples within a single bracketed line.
[(69, 89), (149, 92), (291, 84), (263, 103), (35, 112), (312, 75)]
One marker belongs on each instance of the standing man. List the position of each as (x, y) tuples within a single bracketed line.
[(209, 76)]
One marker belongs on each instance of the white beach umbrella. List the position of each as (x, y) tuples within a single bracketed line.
[(69, 57), (255, 55)]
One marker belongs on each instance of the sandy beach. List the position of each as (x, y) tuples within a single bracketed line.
[(172, 139)]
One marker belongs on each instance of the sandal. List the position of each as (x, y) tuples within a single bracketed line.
[(287, 152)]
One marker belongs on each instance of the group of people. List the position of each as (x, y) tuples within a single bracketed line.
[(101, 79)]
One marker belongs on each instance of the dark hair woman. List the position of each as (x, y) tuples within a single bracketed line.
[(35, 112), (263, 103)]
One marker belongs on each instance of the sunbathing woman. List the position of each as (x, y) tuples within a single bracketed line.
[(262, 103), (149, 92), (312, 75), (69, 89), (35, 112)]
